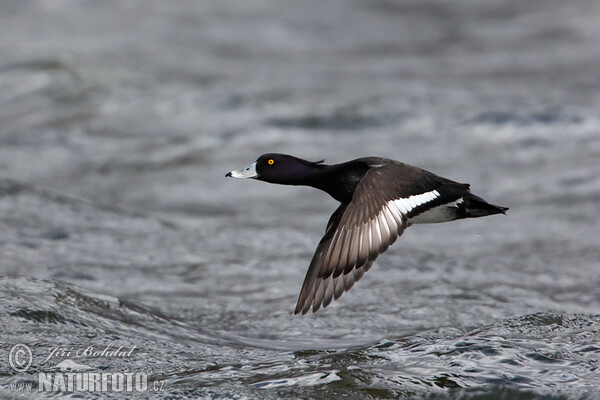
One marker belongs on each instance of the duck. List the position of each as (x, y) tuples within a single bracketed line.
[(379, 199)]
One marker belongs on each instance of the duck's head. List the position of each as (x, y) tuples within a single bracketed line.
[(279, 168)]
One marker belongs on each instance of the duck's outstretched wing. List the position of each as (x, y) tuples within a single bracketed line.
[(314, 283), (359, 231)]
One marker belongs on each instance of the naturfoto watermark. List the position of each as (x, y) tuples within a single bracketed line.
[(64, 369)]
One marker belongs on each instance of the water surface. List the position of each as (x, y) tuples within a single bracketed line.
[(118, 121)]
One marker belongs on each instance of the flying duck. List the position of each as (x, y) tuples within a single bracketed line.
[(379, 199)]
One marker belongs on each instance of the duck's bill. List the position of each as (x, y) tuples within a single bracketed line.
[(249, 172)]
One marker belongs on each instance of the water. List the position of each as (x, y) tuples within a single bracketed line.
[(118, 121)]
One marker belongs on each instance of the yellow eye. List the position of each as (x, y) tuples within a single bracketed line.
[(271, 162)]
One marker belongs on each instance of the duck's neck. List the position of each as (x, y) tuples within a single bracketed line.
[(339, 180)]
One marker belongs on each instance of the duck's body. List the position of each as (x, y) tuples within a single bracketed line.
[(379, 199)]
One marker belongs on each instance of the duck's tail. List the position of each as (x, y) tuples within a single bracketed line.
[(474, 206)]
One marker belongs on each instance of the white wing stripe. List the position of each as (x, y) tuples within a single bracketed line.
[(398, 206), (406, 205)]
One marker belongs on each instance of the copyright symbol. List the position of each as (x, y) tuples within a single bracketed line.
[(20, 357)]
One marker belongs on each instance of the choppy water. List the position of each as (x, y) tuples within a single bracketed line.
[(118, 121)]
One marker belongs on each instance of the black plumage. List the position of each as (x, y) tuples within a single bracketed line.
[(379, 199)]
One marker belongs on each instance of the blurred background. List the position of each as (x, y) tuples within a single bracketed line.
[(119, 119)]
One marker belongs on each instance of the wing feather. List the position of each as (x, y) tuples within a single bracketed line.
[(357, 232)]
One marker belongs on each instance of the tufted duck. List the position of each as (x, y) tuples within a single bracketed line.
[(379, 199)]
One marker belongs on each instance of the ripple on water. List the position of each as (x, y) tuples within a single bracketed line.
[(317, 378)]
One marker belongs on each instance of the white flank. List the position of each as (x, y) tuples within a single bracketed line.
[(441, 213)]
